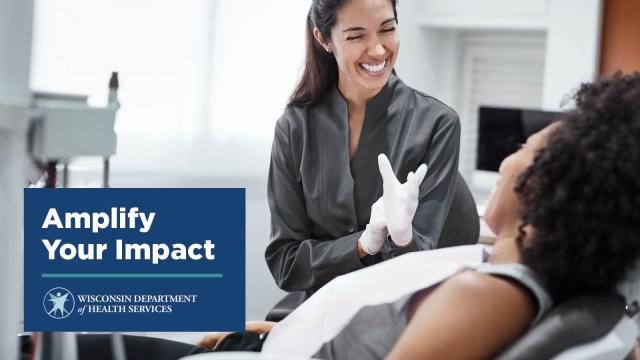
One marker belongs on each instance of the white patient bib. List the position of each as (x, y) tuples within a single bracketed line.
[(329, 310)]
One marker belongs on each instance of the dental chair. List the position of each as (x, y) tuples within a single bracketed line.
[(463, 211), (593, 327), (583, 328), (598, 326)]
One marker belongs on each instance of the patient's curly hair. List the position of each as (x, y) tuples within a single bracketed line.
[(581, 195)]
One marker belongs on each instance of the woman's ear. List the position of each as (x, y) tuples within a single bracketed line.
[(320, 39)]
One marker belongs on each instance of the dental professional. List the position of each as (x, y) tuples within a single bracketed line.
[(328, 215)]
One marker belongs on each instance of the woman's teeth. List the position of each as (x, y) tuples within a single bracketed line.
[(374, 68)]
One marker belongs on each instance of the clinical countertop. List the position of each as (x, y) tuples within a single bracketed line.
[(256, 184)]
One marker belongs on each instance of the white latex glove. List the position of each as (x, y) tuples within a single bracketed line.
[(373, 236), (400, 200)]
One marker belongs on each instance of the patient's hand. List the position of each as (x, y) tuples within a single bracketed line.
[(212, 340), (259, 327)]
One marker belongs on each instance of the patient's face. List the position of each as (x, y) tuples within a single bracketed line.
[(504, 210)]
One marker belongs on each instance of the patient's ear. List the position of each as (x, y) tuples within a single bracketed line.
[(529, 232)]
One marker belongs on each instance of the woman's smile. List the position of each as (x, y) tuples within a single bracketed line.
[(374, 69)]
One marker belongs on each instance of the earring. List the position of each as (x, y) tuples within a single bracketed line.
[(328, 50)]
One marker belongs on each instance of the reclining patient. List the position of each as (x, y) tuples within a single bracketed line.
[(566, 212)]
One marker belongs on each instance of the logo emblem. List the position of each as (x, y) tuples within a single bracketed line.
[(58, 303)]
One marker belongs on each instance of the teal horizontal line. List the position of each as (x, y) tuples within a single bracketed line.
[(131, 276)]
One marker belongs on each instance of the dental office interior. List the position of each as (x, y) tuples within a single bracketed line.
[(200, 85)]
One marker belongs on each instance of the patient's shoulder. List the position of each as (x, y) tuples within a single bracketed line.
[(482, 311), (479, 297), (482, 286), (471, 281)]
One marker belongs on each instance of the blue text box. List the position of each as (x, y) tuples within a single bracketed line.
[(171, 291)]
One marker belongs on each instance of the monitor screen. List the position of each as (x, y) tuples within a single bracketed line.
[(502, 130)]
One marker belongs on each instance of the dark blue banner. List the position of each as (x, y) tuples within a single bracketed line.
[(134, 259)]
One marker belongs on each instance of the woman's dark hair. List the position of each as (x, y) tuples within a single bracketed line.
[(320, 68), (581, 195)]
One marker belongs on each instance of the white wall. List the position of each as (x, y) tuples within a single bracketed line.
[(13, 131), (425, 52), (15, 47), (15, 52), (573, 44), (428, 32)]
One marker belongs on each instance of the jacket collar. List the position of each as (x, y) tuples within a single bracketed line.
[(376, 106)]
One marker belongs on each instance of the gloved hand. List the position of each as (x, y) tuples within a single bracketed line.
[(400, 200), (373, 236)]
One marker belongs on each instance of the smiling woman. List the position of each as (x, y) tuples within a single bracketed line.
[(325, 192), (365, 52), (338, 48)]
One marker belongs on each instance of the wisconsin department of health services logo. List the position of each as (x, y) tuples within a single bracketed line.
[(58, 303)]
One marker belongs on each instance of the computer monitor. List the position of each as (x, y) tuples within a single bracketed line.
[(502, 130)]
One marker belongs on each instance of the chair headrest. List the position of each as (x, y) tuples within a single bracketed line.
[(576, 321)]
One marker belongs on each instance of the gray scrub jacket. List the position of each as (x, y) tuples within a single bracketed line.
[(320, 200)]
